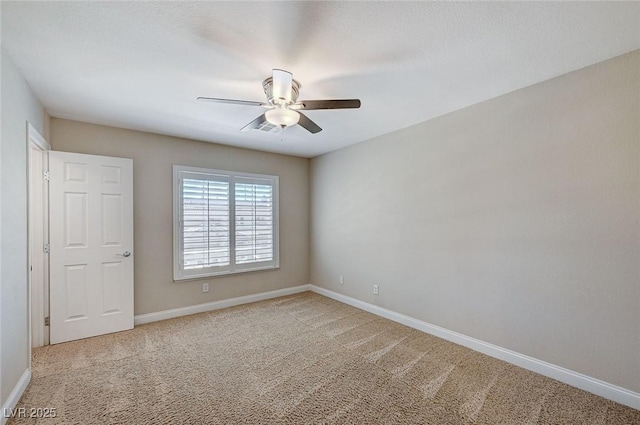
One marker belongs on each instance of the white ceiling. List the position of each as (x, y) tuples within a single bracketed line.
[(141, 65)]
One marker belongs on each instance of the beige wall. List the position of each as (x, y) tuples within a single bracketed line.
[(153, 157), (515, 221), (19, 105)]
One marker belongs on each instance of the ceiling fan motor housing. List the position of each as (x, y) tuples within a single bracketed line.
[(267, 85)]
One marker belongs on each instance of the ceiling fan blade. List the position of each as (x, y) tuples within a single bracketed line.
[(232, 101), (255, 123), (282, 81), (309, 125), (327, 104)]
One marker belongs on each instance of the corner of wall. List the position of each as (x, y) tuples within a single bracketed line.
[(19, 107)]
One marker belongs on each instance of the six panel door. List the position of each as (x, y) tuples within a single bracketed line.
[(91, 243)]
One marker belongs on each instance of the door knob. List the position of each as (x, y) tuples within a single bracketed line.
[(124, 254)]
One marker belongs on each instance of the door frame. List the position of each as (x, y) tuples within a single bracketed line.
[(37, 237)]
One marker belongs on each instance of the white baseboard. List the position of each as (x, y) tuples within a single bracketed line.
[(575, 379), (14, 397), (215, 305)]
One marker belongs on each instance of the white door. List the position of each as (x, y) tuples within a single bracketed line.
[(91, 237)]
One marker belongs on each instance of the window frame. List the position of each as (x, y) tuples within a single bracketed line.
[(179, 173)]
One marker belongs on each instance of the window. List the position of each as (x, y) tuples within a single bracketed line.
[(224, 222)]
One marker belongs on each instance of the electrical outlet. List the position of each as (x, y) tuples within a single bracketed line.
[(205, 287), (341, 280), (376, 290)]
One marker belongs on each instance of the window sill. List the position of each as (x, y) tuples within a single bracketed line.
[(224, 273)]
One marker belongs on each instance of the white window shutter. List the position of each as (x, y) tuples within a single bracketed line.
[(224, 222), (254, 222), (205, 208)]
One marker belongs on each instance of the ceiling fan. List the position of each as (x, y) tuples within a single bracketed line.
[(283, 105)]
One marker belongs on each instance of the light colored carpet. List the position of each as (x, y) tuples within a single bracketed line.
[(295, 360)]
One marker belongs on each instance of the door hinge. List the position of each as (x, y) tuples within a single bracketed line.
[(46, 175), (47, 248), (46, 321)]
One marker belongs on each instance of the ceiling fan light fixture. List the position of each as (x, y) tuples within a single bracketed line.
[(282, 117)]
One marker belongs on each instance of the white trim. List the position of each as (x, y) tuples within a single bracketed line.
[(575, 379), (180, 172), (37, 291), (33, 134), (216, 305), (15, 395)]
